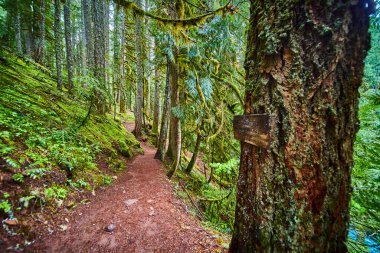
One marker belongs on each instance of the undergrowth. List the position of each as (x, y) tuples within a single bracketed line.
[(47, 148)]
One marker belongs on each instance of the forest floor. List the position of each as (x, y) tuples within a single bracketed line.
[(141, 213)]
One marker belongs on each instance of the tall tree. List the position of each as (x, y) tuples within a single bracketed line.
[(305, 73), (88, 32), (17, 28), (176, 10), (139, 103), (57, 41), (69, 52), (162, 140), (83, 40), (99, 55), (156, 109), (43, 33)]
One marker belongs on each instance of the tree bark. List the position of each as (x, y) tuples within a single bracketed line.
[(156, 110), (84, 41), (140, 82), (17, 28), (162, 141), (88, 32), (42, 39), (99, 55), (191, 164), (69, 53), (57, 42), (304, 64), (122, 68)]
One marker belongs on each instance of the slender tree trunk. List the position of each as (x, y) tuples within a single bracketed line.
[(140, 78), (42, 39), (99, 55), (84, 41), (69, 53), (305, 73), (107, 45), (123, 95), (147, 63), (162, 141), (57, 42), (88, 32), (191, 164), (17, 28), (156, 113)]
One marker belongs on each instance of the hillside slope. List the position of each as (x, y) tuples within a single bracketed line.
[(51, 154)]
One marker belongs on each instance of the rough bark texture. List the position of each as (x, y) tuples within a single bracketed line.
[(162, 140), (156, 109), (84, 41), (17, 28), (191, 164), (42, 39), (69, 53), (88, 32), (122, 82), (140, 78), (304, 65), (57, 42), (99, 55)]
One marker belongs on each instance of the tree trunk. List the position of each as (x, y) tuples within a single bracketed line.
[(140, 82), (99, 55), (107, 45), (88, 32), (147, 63), (304, 64), (69, 53), (17, 28), (122, 67), (84, 41), (156, 112), (191, 164), (162, 141), (42, 39), (57, 42)]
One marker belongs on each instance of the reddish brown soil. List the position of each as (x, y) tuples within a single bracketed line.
[(147, 215)]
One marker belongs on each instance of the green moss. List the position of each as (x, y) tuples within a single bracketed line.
[(41, 129)]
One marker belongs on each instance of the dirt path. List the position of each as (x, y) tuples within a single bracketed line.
[(147, 217)]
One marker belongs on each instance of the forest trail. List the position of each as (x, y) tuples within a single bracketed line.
[(148, 217)]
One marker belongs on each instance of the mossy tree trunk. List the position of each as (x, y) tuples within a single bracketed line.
[(194, 157), (162, 140), (99, 55), (57, 41), (156, 109), (304, 65), (69, 51), (88, 32), (17, 27), (139, 103)]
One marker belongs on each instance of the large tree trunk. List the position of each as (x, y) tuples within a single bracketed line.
[(17, 28), (57, 42), (140, 82), (99, 55), (88, 32), (156, 110), (162, 140), (174, 149), (304, 65), (42, 39), (122, 83), (69, 53), (84, 41)]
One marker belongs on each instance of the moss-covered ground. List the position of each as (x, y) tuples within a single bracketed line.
[(51, 154)]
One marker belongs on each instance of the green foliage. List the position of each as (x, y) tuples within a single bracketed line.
[(5, 206), (107, 180), (18, 177), (55, 192), (365, 204)]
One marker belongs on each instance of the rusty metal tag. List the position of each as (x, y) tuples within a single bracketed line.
[(252, 129)]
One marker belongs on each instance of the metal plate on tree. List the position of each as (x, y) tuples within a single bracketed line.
[(252, 129)]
